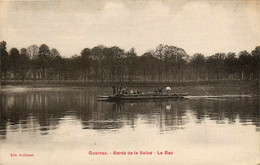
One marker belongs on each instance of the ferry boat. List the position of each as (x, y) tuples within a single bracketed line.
[(142, 96)]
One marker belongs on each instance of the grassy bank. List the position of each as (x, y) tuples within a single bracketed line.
[(234, 87), (130, 84)]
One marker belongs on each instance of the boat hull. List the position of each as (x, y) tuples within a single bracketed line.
[(139, 97)]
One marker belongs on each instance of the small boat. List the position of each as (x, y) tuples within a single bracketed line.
[(143, 96)]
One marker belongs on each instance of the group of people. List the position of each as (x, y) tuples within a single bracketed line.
[(158, 90), (119, 90), (123, 91)]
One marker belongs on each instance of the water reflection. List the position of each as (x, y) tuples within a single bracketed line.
[(44, 110)]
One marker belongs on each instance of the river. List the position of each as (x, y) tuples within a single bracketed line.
[(69, 126)]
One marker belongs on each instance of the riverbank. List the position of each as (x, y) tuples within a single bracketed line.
[(194, 88), (50, 83)]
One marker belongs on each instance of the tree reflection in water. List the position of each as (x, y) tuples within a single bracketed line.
[(43, 110)]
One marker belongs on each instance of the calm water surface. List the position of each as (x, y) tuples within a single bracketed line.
[(61, 126)]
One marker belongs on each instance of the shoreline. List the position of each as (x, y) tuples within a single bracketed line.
[(226, 87), (50, 83)]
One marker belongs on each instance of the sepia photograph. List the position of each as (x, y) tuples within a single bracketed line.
[(130, 82)]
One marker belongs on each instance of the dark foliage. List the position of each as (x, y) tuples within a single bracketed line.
[(165, 63)]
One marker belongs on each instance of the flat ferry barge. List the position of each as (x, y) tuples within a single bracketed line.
[(151, 96)]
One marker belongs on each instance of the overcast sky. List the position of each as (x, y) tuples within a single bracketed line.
[(196, 26)]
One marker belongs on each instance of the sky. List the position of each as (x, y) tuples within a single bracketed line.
[(197, 26)]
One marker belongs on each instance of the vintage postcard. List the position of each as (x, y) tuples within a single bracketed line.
[(105, 82)]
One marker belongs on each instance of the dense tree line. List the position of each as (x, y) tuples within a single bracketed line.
[(165, 63)]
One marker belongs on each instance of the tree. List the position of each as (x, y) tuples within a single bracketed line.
[(54, 64), (43, 60), (4, 60), (177, 59), (24, 63), (14, 62), (171, 58), (256, 59), (146, 66), (97, 57), (198, 62), (231, 64), (245, 64), (158, 53), (85, 56), (60, 66), (112, 58), (33, 51), (33, 55), (131, 62), (215, 64)]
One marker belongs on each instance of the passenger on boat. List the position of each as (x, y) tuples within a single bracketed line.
[(125, 91), (139, 92), (160, 90), (119, 90), (114, 90), (168, 89)]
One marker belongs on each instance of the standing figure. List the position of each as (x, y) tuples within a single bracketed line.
[(119, 90), (160, 90), (114, 90)]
